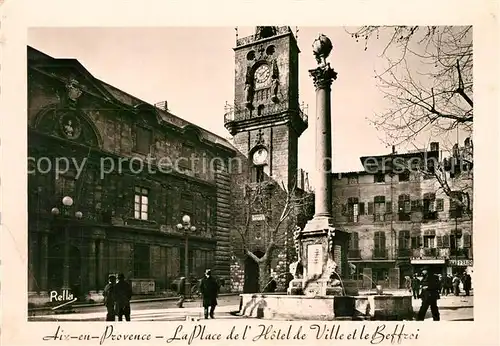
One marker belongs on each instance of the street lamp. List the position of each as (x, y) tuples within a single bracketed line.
[(67, 202), (187, 227)]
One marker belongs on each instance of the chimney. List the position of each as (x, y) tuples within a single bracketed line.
[(434, 146), (163, 105)]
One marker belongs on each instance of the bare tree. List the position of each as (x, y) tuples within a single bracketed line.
[(288, 205), (427, 81)]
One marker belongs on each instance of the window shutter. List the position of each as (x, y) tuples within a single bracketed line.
[(370, 208), (416, 205), (376, 238), (361, 208), (439, 241), (446, 240), (401, 239), (467, 240), (420, 241), (355, 240), (382, 240), (439, 204), (388, 207)]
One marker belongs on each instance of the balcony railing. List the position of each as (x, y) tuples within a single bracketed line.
[(380, 253), (460, 253), (429, 252), (354, 253), (235, 113), (430, 215), (404, 253)]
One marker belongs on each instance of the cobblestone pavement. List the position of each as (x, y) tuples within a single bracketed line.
[(451, 308)]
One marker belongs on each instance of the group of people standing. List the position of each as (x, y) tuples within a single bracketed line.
[(448, 284), (117, 296)]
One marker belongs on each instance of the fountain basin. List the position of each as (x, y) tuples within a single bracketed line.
[(326, 308)]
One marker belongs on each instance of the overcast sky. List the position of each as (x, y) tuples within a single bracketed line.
[(193, 69)]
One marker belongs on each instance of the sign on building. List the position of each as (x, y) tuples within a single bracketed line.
[(461, 262), (258, 217)]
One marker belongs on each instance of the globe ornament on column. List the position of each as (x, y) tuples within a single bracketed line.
[(322, 46), (323, 75)]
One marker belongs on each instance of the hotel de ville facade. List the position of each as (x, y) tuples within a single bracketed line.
[(84, 224)]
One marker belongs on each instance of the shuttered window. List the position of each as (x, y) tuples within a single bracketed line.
[(467, 240), (404, 240), (439, 241), (439, 204), (446, 241)]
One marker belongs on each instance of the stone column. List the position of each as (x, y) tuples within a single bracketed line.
[(44, 261), (323, 77), (66, 265), (33, 250), (100, 264), (92, 265)]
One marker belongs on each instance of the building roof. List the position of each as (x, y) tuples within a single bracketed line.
[(116, 95)]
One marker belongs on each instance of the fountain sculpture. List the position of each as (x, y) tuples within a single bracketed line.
[(319, 289)]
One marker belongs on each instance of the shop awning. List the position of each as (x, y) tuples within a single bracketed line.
[(428, 261)]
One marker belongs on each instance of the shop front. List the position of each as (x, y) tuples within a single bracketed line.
[(460, 266), (435, 265)]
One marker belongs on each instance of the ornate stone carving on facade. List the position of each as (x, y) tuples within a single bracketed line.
[(249, 89), (74, 90), (275, 82), (260, 138), (323, 76), (248, 95), (70, 126)]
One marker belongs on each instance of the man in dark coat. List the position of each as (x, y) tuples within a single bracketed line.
[(123, 294), (109, 298), (209, 289), (429, 294), (467, 282)]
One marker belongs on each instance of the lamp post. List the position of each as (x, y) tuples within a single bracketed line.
[(67, 202), (187, 227)]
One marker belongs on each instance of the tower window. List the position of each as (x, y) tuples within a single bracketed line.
[(270, 50), (260, 110), (251, 55)]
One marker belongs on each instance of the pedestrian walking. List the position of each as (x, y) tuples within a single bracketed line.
[(123, 294), (456, 284), (209, 289), (109, 298), (429, 294), (415, 286)]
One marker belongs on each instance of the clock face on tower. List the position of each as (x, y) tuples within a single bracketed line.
[(260, 156), (262, 76)]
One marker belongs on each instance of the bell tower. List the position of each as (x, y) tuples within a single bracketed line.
[(266, 119)]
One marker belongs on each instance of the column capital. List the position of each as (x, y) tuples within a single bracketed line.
[(323, 76)]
